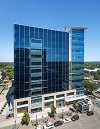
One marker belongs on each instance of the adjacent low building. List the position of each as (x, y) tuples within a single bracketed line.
[(91, 70), (85, 105)]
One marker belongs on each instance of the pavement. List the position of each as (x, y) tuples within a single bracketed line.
[(3, 96), (2, 102), (40, 115), (84, 122), (96, 103), (44, 114), (95, 94)]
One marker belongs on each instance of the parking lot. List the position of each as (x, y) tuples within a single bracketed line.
[(85, 122)]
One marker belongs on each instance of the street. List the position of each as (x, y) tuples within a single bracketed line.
[(96, 102)]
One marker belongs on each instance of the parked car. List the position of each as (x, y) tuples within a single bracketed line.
[(75, 117), (72, 109), (58, 123), (97, 92), (51, 115), (48, 125), (89, 113), (66, 120), (91, 96)]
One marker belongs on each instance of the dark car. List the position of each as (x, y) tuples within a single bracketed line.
[(51, 115), (75, 117), (91, 96), (71, 109), (58, 123), (89, 113)]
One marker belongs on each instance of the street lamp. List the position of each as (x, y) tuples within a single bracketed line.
[(15, 124), (93, 106), (62, 114)]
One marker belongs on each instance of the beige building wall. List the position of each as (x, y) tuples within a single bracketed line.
[(54, 95), (43, 101), (21, 100)]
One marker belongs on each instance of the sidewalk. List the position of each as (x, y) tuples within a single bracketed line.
[(45, 113), (32, 117)]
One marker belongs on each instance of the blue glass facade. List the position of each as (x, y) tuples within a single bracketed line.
[(77, 61), (41, 62)]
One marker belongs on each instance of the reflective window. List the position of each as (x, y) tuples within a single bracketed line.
[(78, 61), (41, 61)]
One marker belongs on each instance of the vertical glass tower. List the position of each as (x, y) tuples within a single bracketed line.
[(77, 59), (77, 65), (41, 63)]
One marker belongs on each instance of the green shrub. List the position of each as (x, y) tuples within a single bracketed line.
[(62, 116), (69, 114), (53, 109), (25, 119), (35, 124), (74, 105)]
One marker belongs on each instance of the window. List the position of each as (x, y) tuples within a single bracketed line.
[(71, 93), (22, 103), (50, 97), (35, 63), (58, 96), (36, 56)]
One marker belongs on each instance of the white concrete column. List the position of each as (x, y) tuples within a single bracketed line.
[(42, 103), (15, 109), (55, 100)]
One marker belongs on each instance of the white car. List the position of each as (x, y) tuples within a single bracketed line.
[(66, 120), (48, 125)]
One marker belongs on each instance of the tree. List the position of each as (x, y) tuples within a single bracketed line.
[(91, 86), (92, 65), (74, 105), (35, 124), (53, 109), (25, 119), (69, 114), (10, 74), (4, 75), (87, 75), (61, 117), (97, 75)]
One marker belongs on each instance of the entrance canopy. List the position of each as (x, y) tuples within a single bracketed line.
[(77, 98)]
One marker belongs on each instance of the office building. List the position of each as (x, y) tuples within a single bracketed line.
[(43, 73)]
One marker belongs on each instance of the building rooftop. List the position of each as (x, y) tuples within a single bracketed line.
[(77, 28), (61, 30), (92, 70), (84, 102)]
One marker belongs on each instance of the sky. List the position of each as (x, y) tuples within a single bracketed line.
[(52, 14)]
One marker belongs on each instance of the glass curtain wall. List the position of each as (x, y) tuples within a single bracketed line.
[(21, 61), (41, 62), (77, 62), (56, 61), (36, 73)]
